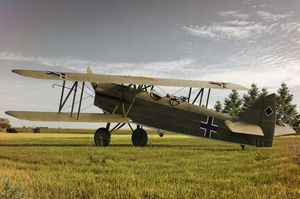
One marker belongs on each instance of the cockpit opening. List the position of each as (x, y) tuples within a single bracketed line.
[(175, 100)]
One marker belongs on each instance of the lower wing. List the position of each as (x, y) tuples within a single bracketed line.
[(65, 117)]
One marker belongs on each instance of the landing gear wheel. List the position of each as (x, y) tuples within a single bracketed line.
[(161, 135), (139, 137), (102, 137)]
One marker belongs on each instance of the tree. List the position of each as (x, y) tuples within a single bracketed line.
[(263, 92), (4, 123), (251, 96), (286, 111), (218, 106), (296, 123), (232, 104)]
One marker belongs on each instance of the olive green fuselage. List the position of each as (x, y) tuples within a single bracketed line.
[(183, 118)]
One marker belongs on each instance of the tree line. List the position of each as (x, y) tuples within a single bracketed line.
[(286, 111)]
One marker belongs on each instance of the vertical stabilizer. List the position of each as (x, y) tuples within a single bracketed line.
[(263, 114)]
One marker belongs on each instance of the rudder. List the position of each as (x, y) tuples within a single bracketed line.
[(263, 114)]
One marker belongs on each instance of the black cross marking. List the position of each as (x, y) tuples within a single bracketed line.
[(221, 84), (209, 127), (60, 75)]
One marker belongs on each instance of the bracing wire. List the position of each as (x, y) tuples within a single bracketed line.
[(89, 95), (161, 89), (76, 102), (178, 91)]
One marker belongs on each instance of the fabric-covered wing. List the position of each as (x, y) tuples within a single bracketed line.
[(65, 117), (50, 75), (244, 128)]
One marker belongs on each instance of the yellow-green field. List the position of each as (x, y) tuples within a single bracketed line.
[(70, 166)]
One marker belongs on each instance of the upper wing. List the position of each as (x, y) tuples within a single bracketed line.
[(127, 80), (65, 117)]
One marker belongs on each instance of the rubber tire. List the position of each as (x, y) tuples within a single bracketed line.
[(161, 135), (139, 137), (102, 137)]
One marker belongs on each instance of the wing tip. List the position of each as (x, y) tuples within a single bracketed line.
[(16, 71), (10, 113)]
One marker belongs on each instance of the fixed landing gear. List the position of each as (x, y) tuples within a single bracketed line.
[(102, 137), (139, 137)]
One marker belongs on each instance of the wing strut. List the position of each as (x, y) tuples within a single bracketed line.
[(207, 99), (81, 95), (190, 92), (63, 100), (61, 96), (199, 94)]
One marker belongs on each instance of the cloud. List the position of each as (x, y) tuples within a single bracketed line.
[(234, 14), (268, 66), (290, 27), (69, 62), (269, 17), (174, 68), (264, 47), (229, 30), (242, 27), (203, 32)]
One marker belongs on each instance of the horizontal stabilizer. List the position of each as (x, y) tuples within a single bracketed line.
[(114, 79), (65, 117), (244, 128), (283, 129)]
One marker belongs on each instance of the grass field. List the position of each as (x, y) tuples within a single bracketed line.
[(70, 166)]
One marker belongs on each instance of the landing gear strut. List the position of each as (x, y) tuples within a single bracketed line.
[(139, 137), (102, 137)]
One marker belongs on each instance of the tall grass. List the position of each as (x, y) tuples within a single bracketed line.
[(69, 166)]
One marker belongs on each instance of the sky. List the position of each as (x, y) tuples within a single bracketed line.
[(237, 41)]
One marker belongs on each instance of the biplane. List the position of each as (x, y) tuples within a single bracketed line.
[(133, 100)]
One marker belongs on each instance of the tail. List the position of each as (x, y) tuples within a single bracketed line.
[(263, 114), (90, 72)]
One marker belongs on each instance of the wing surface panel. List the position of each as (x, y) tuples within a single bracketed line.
[(65, 117), (50, 75)]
